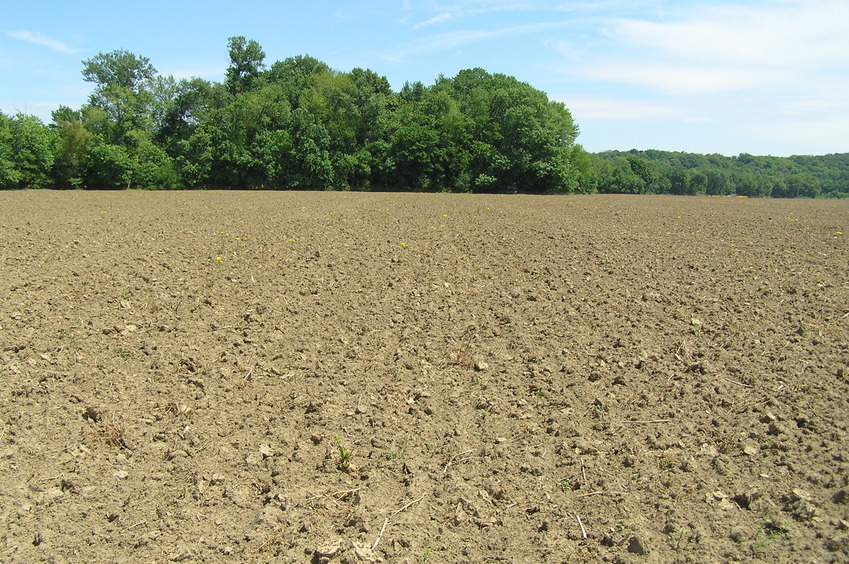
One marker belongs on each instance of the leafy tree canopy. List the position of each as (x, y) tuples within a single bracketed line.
[(299, 124)]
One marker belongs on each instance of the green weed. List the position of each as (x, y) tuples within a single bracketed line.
[(345, 455)]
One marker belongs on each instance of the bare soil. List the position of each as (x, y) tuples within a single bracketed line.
[(344, 377)]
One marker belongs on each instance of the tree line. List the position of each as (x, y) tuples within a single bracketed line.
[(666, 172), (298, 124)]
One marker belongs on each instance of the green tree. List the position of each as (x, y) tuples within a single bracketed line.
[(246, 64), (414, 156), (679, 181), (9, 175), (181, 112), (73, 141), (107, 167), (118, 68), (29, 157), (308, 165), (297, 75), (122, 92)]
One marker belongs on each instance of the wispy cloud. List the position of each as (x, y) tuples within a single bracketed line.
[(819, 135), (454, 11), (603, 108), (755, 73), (39, 38), (454, 39), (811, 32), (729, 48), (438, 19), (687, 79), (342, 15)]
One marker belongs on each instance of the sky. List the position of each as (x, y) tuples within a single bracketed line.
[(765, 77)]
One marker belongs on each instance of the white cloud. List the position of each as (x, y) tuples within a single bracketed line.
[(454, 39), (602, 108), (821, 136), (683, 79), (777, 43), (811, 32), (39, 38), (438, 19), (342, 15)]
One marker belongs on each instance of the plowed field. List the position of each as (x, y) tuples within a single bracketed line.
[(346, 377)]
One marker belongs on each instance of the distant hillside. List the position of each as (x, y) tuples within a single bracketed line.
[(668, 172)]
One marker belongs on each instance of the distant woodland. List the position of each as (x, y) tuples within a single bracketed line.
[(297, 124)]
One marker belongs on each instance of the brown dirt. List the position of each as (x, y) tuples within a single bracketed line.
[(181, 373)]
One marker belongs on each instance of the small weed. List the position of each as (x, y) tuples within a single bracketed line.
[(391, 455), (425, 555), (682, 533), (599, 408), (666, 463), (345, 455), (70, 338), (565, 485), (111, 429), (767, 534), (122, 352)]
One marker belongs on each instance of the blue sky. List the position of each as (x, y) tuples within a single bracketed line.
[(757, 76)]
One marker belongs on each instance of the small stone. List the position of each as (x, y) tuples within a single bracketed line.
[(708, 450), (366, 554), (837, 543), (585, 446), (266, 451), (636, 546), (801, 494), (481, 366), (751, 449), (738, 534), (727, 505), (328, 550), (121, 474)]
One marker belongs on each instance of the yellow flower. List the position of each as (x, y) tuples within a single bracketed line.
[(403, 245), (839, 233), (219, 259)]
